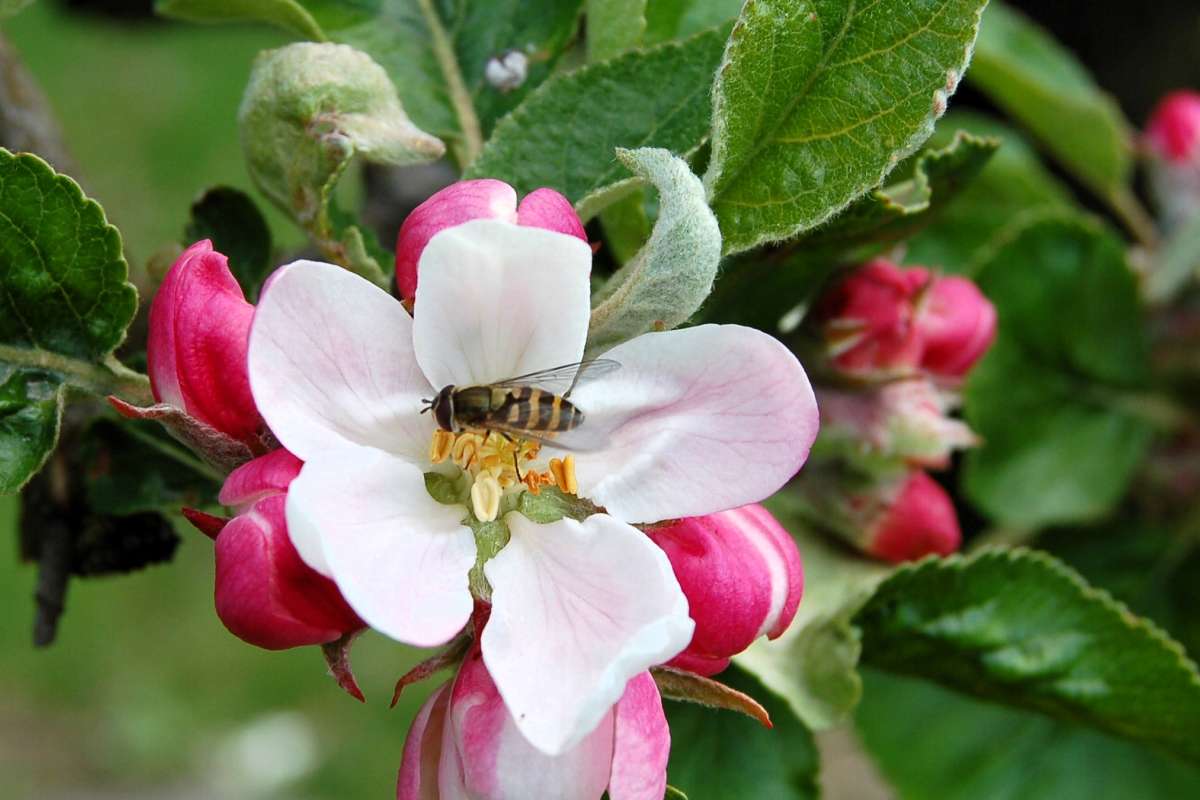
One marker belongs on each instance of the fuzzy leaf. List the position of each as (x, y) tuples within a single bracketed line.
[(817, 101), (813, 665), (677, 684), (1039, 82), (564, 134), (66, 306), (1056, 398), (664, 284), (720, 756), (238, 229), (919, 733), (218, 449), (1021, 628)]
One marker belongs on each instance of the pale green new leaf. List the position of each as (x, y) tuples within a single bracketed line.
[(1037, 81), (816, 101), (66, 305), (614, 26), (814, 664), (287, 14), (664, 284), (565, 133), (1021, 628)]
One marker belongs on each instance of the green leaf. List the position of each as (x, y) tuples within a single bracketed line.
[(678, 19), (287, 14), (1021, 628), (10, 7), (564, 134), (817, 101), (1012, 183), (813, 665), (899, 209), (614, 26), (667, 281), (1056, 400), (309, 110), (920, 735), (1039, 82), (722, 756), (66, 303), (238, 229), (31, 404)]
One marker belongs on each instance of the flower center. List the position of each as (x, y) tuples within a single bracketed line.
[(498, 463)]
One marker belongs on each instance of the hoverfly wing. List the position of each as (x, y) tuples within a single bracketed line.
[(562, 379), (572, 441)]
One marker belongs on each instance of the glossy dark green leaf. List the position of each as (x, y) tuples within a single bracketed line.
[(1021, 628), (565, 134), (238, 229), (1057, 398), (817, 101), (720, 755), (31, 405)]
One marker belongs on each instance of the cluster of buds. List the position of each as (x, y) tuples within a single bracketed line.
[(899, 342), (1172, 142)]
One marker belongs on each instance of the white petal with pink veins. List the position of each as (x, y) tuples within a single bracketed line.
[(578, 608), (496, 300), (696, 421), (399, 557), (332, 364)]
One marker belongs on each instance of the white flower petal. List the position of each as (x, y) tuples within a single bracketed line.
[(577, 610), (496, 300), (400, 558), (331, 364), (696, 421)]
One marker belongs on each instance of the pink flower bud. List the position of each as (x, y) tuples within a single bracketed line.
[(265, 594), (741, 573), (868, 319), (199, 328), (464, 201), (464, 743), (1173, 131), (919, 520), (957, 324)]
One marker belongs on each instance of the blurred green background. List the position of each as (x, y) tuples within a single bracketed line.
[(145, 695)]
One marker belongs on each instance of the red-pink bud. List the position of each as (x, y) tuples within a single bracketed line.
[(199, 329), (741, 573), (265, 594), (868, 318), (957, 324), (464, 201), (1173, 131), (920, 519)]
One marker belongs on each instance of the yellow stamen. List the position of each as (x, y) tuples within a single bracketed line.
[(563, 471), (440, 446), (485, 497)]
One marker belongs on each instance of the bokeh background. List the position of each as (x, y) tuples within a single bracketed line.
[(145, 695)]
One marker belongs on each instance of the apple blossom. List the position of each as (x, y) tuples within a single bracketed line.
[(957, 325), (464, 743), (916, 519), (484, 198), (742, 576), (265, 594), (694, 422), (1173, 140), (199, 328)]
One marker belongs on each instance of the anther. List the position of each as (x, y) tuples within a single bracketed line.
[(440, 446), (485, 497), (564, 474)]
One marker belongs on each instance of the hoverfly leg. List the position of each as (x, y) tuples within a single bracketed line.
[(517, 467)]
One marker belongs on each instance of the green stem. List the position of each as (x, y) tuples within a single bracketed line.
[(1134, 216), (460, 98), (108, 377)]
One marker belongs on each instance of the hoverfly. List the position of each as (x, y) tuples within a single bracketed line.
[(518, 407)]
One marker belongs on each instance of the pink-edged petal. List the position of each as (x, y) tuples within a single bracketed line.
[(400, 557), (578, 608), (546, 208), (331, 364), (485, 198), (498, 300), (498, 763), (696, 421), (265, 594), (641, 744), (269, 474), (423, 749)]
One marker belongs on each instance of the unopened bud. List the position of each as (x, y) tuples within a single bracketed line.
[(1173, 140)]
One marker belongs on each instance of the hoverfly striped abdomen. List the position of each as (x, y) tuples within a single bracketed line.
[(532, 409)]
